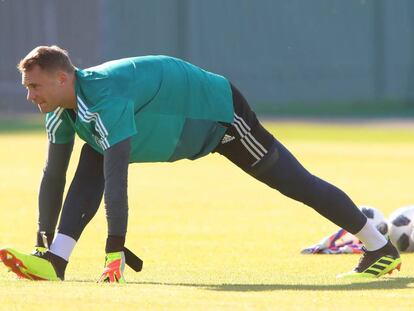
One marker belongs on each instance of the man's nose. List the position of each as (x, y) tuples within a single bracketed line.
[(30, 96)]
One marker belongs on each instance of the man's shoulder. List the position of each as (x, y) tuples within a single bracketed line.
[(56, 114), (58, 127), (119, 78), (113, 65)]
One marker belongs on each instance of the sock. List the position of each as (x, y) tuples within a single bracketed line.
[(371, 237), (58, 263), (63, 246)]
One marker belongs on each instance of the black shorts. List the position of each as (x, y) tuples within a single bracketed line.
[(246, 142)]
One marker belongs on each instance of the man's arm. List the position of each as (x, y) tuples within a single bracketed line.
[(116, 160), (51, 191)]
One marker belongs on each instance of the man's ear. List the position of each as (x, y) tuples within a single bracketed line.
[(62, 77)]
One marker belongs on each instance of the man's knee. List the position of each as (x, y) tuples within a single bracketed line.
[(267, 163), (281, 171)]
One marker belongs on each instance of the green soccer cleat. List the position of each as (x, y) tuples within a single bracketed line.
[(114, 268), (375, 264), (31, 267)]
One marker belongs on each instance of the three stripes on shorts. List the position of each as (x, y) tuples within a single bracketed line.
[(255, 148)]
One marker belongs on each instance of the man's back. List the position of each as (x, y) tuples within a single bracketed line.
[(160, 84), (169, 107)]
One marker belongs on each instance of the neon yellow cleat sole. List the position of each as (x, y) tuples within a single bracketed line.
[(28, 266)]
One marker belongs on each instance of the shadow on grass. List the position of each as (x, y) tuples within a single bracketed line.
[(388, 283)]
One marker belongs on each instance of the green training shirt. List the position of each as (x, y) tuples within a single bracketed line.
[(170, 108)]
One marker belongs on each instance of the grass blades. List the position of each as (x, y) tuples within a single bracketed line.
[(213, 238)]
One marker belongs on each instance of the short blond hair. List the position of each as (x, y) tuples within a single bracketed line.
[(48, 58)]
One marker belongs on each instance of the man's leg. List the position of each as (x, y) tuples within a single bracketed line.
[(84, 195), (258, 153), (81, 203), (80, 206)]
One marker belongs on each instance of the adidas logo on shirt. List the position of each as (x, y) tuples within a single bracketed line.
[(226, 139)]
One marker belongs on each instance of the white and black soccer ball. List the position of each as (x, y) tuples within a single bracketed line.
[(376, 217), (402, 228)]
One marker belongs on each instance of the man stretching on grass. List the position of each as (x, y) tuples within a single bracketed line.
[(154, 109)]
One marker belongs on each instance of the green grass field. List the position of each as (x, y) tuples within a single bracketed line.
[(213, 238)]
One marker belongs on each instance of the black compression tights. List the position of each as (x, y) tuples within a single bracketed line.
[(84, 195), (281, 171)]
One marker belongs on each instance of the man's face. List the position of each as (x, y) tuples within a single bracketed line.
[(44, 88)]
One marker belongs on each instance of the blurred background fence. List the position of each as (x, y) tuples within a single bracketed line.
[(286, 56)]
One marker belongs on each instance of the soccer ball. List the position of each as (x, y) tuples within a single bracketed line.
[(402, 228), (376, 217)]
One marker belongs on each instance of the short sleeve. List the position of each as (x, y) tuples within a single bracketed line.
[(58, 128), (114, 121)]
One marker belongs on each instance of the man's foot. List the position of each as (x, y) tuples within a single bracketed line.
[(376, 263), (114, 268), (31, 267)]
